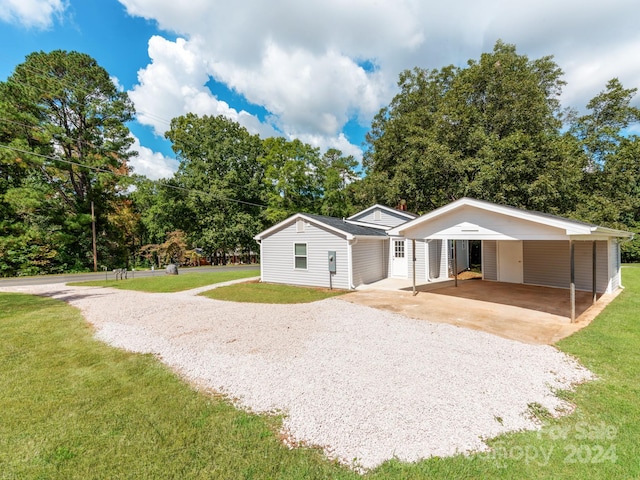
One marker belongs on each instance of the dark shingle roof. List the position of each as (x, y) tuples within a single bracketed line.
[(345, 226)]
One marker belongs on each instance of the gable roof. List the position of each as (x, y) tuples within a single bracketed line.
[(337, 225), (392, 211), (348, 227), (572, 227)]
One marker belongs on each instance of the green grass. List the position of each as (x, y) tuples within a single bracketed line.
[(254, 292), (71, 407), (162, 283), (74, 408), (600, 439)]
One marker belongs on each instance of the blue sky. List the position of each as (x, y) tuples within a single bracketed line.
[(313, 70)]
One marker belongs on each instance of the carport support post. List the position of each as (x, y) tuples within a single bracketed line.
[(413, 258), (455, 263), (593, 273), (572, 287)]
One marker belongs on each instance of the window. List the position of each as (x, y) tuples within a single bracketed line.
[(398, 248), (300, 256)]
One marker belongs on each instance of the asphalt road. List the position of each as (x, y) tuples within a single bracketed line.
[(83, 277)]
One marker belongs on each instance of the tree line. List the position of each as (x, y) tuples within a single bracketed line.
[(494, 129)]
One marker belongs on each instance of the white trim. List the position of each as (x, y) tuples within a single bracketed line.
[(306, 255), (507, 271), (405, 258), (571, 227), (427, 262), (350, 264), (294, 218), (408, 215)]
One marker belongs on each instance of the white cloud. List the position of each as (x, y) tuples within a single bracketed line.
[(339, 142), (152, 164), (308, 93), (634, 130), (117, 84), (31, 13), (301, 60), (174, 83)]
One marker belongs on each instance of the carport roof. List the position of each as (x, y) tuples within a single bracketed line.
[(573, 228)]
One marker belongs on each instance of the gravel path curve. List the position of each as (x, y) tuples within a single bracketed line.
[(366, 385)]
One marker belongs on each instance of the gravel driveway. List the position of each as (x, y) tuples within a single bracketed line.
[(366, 385)]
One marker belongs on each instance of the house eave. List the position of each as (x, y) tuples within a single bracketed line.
[(407, 215), (570, 227)]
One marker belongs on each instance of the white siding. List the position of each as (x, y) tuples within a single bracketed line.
[(489, 260), (421, 267), (435, 258), (462, 259), (546, 262), (369, 261), (614, 266), (583, 264), (472, 223), (387, 218), (438, 264), (278, 260)]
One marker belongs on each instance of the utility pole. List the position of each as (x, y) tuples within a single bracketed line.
[(93, 232)]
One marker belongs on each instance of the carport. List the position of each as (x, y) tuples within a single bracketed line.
[(525, 247), (526, 313)]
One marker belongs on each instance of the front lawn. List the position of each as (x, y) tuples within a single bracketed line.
[(72, 407), (163, 283), (254, 292)]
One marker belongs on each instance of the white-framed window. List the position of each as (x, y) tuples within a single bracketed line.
[(300, 256), (398, 248)]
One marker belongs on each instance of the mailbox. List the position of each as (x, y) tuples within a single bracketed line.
[(332, 262)]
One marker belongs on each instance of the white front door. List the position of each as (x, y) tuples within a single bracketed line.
[(399, 258), (510, 261)]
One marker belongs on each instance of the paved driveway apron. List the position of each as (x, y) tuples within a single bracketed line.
[(530, 314)]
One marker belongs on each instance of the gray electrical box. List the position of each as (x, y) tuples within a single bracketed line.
[(332, 262)]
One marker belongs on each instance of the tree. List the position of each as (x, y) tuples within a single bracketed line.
[(162, 206), (611, 184), (220, 169), (337, 173), (292, 178), (65, 120), (490, 130), (602, 131), (172, 250)]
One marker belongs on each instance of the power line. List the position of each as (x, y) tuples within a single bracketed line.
[(102, 170), (48, 157), (176, 187), (63, 82)]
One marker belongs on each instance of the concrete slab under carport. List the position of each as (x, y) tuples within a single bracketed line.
[(530, 314)]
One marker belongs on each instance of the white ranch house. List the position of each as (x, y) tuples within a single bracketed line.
[(517, 246)]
